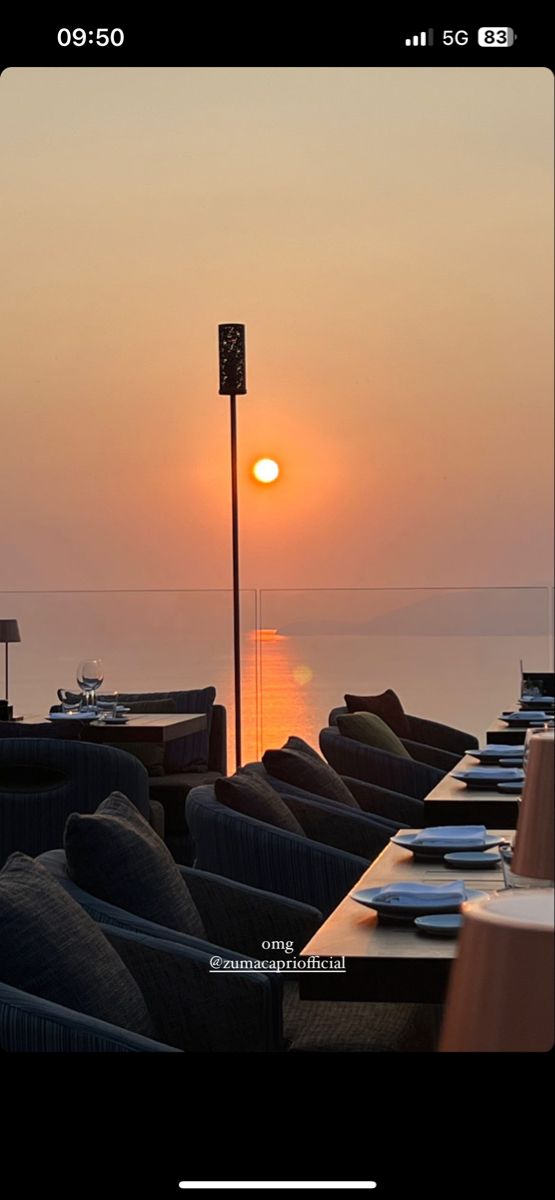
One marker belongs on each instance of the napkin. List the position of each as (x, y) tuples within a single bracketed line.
[(417, 893), (452, 835), (534, 715)]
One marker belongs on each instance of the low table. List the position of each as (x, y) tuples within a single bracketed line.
[(385, 962), (451, 802), (140, 727)]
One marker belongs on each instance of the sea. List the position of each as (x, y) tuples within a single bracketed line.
[(290, 681)]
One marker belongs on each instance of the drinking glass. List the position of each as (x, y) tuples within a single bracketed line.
[(90, 674), (108, 706), (517, 881)]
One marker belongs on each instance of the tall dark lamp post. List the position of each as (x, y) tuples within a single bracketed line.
[(9, 632), (233, 383)]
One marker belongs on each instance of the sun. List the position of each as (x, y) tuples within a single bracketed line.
[(266, 470)]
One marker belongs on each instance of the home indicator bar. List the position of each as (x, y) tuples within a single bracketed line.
[(236, 1186)]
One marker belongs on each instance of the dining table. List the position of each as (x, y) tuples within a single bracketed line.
[(453, 802), (138, 727), (390, 963)]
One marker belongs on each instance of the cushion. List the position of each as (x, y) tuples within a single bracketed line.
[(251, 795), (115, 855), (297, 743), (293, 766), (49, 946), (387, 706), (368, 728), (151, 706)]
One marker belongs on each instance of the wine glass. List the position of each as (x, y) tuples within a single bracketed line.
[(90, 674)]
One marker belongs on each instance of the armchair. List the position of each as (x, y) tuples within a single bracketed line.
[(378, 766), (43, 780)]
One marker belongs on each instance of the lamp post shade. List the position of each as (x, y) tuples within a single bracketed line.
[(534, 851), (233, 383), (233, 371), (9, 631), (500, 994)]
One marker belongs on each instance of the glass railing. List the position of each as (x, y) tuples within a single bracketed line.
[(451, 654), (147, 640)]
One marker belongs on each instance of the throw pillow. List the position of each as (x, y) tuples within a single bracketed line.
[(50, 947), (115, 855), (368, 728), (297, 743), (387, 706), (292, 766), (251, 795)]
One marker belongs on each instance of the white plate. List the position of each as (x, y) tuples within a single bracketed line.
[(432, 850), (415, 908), (60, 716)]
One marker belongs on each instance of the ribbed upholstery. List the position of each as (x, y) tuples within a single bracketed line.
[(237, 918), (445, 737), (345, 828), (190, 1008), (393, 808), (30, 1025), (376, 766), (429, 733), (434, 757), (254, 916), (404, 811), (231, 844), (34, 821)]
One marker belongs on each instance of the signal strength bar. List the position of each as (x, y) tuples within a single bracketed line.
[(426, 38)]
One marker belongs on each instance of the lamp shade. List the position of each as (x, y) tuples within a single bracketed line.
[(9, 631), (500, 994), (233, 371), (534, 851)]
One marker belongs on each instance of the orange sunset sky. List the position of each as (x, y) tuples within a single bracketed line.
[(385, 235)]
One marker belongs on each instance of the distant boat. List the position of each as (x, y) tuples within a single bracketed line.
[(267, 635)]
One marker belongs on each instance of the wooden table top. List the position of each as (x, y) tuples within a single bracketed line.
[(454, 789), (140, 727), (386, 962), (452, 802), (353, 930)]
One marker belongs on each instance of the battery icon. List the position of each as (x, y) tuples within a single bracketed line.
[(495, 36)]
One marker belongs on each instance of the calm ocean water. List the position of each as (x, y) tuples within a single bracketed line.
[(156, 641)]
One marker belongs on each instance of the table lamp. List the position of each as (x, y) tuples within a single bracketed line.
[(500, 995), (9, 632), (534, 847)]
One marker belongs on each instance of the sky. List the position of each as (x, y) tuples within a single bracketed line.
[(384, 234)]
